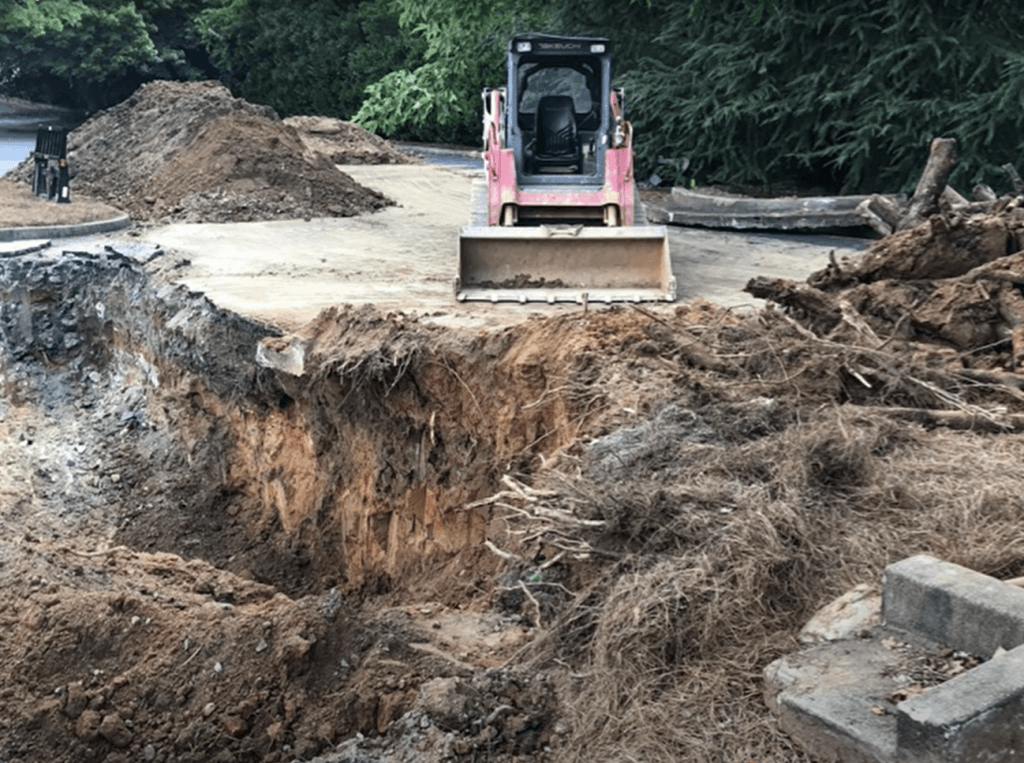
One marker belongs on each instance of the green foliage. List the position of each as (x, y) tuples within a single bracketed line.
[(417, 100), (88, 54), (305, 57), (631, 26), (847, 93), (465, 46)]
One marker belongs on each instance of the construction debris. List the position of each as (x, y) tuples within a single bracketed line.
[(946, 286)]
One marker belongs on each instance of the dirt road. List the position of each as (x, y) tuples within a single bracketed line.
[(403, 257)]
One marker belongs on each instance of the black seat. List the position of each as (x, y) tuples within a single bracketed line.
[(558, 144)]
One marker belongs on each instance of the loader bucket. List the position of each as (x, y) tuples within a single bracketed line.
[(564, 264)]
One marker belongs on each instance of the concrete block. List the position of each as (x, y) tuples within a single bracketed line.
[(823, 697), (977, 717), (836, 699), (953, 605)]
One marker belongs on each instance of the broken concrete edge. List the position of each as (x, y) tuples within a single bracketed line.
[(822, 697), (670, 216), (131, 304), (837, 739), (139, 253), (967, 717), (27, 246), (952, 605), (688, 207), (65, 231)]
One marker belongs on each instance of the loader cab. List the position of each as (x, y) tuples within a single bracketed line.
[(558, 112)]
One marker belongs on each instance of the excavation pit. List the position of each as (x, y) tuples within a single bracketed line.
[(189, 533), (377, 537)]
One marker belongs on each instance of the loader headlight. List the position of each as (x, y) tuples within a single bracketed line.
[(523, 47), (597, 47)]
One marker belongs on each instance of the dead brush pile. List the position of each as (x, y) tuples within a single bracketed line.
[(668, 562)]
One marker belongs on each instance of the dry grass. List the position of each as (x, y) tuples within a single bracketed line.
[(706, 536), (19, 208)]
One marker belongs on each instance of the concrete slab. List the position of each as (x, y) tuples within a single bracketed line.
[(692, 207), (977, 716), (824, 697), (284, 272), (953, 605)]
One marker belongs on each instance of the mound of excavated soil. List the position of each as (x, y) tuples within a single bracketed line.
[(346, 143), (244, 167), (189, 151)]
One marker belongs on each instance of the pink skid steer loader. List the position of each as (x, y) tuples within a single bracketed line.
[(560, 220)]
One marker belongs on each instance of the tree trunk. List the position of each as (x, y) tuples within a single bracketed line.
[(941, 158), (880, 212)]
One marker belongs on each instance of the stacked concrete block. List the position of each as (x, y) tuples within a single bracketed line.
[(834, 698)]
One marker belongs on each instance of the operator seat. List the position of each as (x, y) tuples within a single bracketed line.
[(558, 147)]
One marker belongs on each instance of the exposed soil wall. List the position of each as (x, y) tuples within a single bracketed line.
[(224, 516), (349, 473)]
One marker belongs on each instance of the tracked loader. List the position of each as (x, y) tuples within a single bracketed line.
[(556, 221)]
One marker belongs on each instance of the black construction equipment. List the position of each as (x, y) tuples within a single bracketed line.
[(51, 177)]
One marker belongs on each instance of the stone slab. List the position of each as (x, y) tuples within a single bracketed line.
[(855, 612), (953, 605), (824, 697), (977, 716), (691, 207), (18, 248)]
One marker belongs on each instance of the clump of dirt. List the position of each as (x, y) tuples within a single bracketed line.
[(521, 281), (189, 151), (346, 142)]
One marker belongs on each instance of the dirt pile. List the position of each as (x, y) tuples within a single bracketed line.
[(192, 152), (346, 142)]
